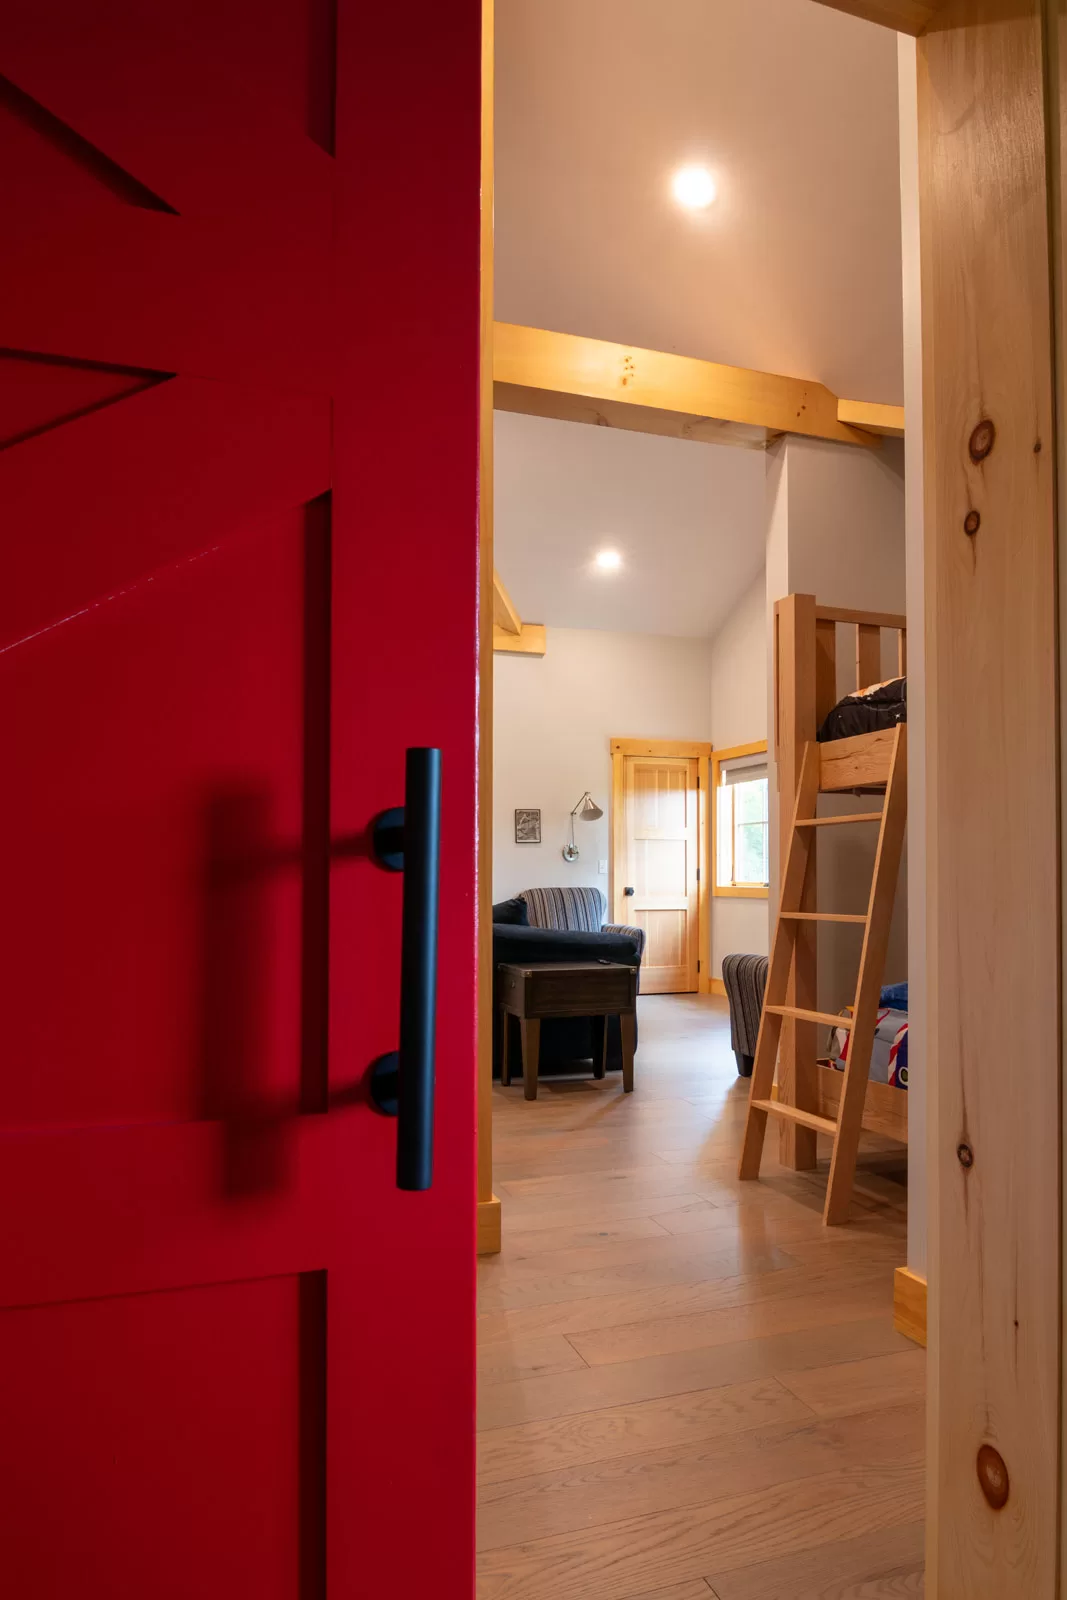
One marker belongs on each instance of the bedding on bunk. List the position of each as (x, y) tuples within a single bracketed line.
[(889, 1057), (882, 705)]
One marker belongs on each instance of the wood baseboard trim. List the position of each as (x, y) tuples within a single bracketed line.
[(716, 986), (909, 1305), (489, 1227)]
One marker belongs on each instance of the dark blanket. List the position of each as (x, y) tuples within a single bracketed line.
[(883, 705)]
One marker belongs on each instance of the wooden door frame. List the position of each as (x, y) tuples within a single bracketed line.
[(994, 1498), (488, 1220), (992, 94), (698, 750), (754, 747)]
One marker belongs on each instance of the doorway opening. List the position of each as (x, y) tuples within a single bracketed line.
[(691, 432)]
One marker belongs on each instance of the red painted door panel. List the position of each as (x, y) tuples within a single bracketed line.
[(238, 494)]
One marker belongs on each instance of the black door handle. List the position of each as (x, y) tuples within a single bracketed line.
[(408, 839), (627, 890)]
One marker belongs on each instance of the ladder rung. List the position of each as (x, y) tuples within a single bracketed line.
[(833, 822), (821, 916), (810, 1016), (807, 1119)]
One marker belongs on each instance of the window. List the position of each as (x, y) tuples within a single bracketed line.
[(742, 862)]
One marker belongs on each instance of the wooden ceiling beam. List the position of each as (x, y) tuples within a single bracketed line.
[(615, 382), (906, 16), (512, 636), (505, 616), (529, 641), (633, 419), (885, 420)]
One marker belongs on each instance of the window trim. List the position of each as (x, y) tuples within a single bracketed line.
[(732, 891)]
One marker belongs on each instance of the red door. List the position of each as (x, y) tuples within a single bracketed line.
[(238, 413)]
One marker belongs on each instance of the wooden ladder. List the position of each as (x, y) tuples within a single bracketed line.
[(845, 1130)]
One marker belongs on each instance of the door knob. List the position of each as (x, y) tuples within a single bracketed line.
[(628, 890), (408, 840)]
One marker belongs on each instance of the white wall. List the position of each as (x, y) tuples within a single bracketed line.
[(836, 529), (553, 719), (739, 716)]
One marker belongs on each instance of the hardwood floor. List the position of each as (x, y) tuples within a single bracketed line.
[(689, 1389)]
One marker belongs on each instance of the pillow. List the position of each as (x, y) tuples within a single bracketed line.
[(514, 912)]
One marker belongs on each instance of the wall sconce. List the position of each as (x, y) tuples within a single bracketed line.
[(586, 810)]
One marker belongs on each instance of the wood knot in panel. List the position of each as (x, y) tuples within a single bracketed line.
[(993, 1476), (965, 1155), (972, 522), (982, 440)]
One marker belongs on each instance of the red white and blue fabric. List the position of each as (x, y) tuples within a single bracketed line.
[(889, 1055)]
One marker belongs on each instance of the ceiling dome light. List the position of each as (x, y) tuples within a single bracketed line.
[(694, 188), (608, 560)]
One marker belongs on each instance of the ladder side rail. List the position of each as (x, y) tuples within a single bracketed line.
[(795, 878), (869, 985)]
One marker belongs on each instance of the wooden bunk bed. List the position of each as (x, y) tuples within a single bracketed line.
[(811, 1096)]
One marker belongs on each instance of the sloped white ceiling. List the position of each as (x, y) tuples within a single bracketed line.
[(686, 518), (795, 269)]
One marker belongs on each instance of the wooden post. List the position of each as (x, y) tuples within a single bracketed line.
[(488, 1204), (797, 1071), (993, 817)]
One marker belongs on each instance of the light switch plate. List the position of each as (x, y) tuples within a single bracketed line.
[(602, 866)]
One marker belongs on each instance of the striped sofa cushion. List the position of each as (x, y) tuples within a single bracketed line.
[(576, 910)]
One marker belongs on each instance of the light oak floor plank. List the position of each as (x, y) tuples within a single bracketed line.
[(693, 1294), (604, 1492), (736, 1418), (700, 1330), (862, 1385), (618, 1560), (502, 1405), (575, 1441), (506, 1360), (883, 1566)]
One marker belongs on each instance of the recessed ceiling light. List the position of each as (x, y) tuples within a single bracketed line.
[(608, 560), (694, 188)]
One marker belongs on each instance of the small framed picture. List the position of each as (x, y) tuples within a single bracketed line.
[(528, 826)]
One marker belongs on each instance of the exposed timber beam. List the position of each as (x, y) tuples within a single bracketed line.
[(618, 385), (529, 641), (906, 16), (885, 420), (512, 636), (621, 414), (505, 617)]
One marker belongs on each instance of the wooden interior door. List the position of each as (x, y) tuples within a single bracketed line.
[(237, 1359), (656, 870)]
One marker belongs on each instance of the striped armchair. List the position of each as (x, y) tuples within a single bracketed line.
[(576, 910)]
